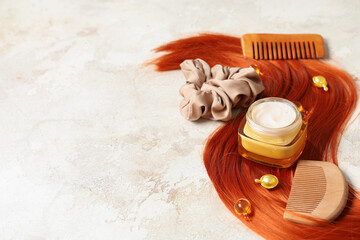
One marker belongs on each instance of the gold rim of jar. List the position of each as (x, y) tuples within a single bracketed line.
[(274, 131)]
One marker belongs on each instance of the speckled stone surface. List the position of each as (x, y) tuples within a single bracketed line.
[(92, 144)]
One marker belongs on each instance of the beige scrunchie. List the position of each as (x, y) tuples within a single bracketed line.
[(212, 92)]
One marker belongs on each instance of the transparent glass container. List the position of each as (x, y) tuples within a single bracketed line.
[(273, 146)]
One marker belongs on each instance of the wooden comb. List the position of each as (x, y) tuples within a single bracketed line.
[(283, 46), (318, 193)]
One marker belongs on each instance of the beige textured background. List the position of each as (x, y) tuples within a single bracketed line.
[(92, 144)]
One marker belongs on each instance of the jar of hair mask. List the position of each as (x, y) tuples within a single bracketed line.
[(273, 132)]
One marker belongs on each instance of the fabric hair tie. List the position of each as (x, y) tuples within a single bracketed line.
[(212, 92)]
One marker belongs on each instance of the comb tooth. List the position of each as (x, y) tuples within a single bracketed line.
[(281, 51), (266, 50), (253, 50), (290, 50), (288, 47), (256, 50), (312, 54), (286, 50), (261, 50), (294, 50), (306, 50), (271, 50), (293, 53), (299, 47), (268, 46), (299, 50), (276, 53), (303, 54), (293, 56), (314, 49)]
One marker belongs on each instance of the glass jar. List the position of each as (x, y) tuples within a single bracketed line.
[(273, 132)]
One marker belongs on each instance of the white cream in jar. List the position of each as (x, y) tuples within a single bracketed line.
[(275, 117), (273, 114)]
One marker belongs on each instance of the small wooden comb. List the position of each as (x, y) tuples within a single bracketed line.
[(283, 46), (318, 193)]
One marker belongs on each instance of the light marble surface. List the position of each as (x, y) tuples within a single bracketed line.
[(92, 144)]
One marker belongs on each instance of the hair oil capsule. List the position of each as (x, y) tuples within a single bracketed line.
[(243, 207)]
